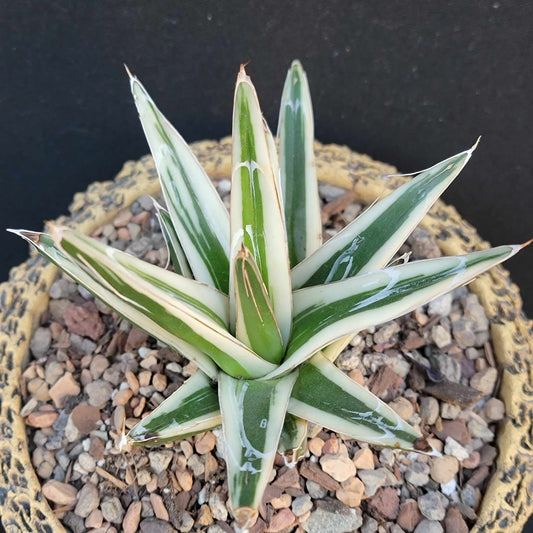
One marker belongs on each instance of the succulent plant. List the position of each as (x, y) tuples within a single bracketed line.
[(256, 300)]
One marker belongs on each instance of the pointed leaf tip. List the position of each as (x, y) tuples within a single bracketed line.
[(128, 71), (525, 244)]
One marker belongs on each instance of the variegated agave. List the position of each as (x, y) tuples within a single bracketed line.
[(256, 300)]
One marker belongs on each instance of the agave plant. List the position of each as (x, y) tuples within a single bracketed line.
[(256, 300)]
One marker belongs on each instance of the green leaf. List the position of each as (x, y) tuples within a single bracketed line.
[(252, 418), (370, 241), (256, 211), (191, 409), (293, 440), (323, 394), (176, 253), (256, 324), (297, 166), (198, 215), (46, 245), (325, 313)]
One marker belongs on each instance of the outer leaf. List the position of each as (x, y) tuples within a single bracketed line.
[(256, 324), (297, 166), (191, 409), (129, 310), (252, 418), (176, 253), (293, 440), (323, 394), (328, 312), (198, 215), (373, 238), (256, 211)]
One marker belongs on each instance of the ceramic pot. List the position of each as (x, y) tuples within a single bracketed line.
[(507, 501)]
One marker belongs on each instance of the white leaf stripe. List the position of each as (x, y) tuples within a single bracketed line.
[(46, 246), (252, 418), (370, 241), (323, 394), (325, 313), (198, 296), (199, 217), (256, 211), (297, 167), (176, 253), (192, 408), (204, 333)]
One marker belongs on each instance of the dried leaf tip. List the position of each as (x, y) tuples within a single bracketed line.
[(131, 76), (474, 146), (527, 243), (242, 76), (32, 236)]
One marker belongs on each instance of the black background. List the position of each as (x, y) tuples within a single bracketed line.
[(409, 83)]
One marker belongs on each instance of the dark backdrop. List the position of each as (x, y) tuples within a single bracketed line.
[(406, 82)]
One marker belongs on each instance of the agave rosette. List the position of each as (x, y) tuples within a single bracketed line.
[(256, 300)]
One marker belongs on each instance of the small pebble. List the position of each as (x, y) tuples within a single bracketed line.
[(339, 467), (112, 510), (429, 526), (433, 505), (88, 500), (443, 469), (60, 493)]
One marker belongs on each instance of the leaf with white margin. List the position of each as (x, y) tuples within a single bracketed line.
[(255, 323), (172, 313), (46, 245), (198, 215), (293, 440), (175, 251), (256, 210), (324, 313), (325, 395), (252, 418), (297, 166), (191, 409), (370, 241)]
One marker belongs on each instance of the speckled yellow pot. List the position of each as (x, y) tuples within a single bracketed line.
[(508, 500)]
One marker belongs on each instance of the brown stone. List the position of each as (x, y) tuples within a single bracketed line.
[(136, 338), (313, 472), (204, 442), (60, 493), (364, 459), (288, 478), (66, 385), (409, 515), (315, 446), (339, 467), (331, 446), (85, 418), (281, 521), (351, 492), (479, 476), (84, 320), (95, 519), (41, 419), (385, 383), (385, 503), (158, 506), (454, 428), (454, 522), (132, 518), (122, 397)]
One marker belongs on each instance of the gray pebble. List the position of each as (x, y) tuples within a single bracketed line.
[(332, 517), (417, 474), (160, 460), (99, 392), (429, 526), (88, 500), (40, 342), (112, 510), (62, 288), (433, 505), (218, 507), (330, 192), (315, 490), (468, 495), (154, 525), (441, 305), (429, 409), (301, 505)]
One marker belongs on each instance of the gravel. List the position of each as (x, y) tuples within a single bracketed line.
[(93, 375)]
